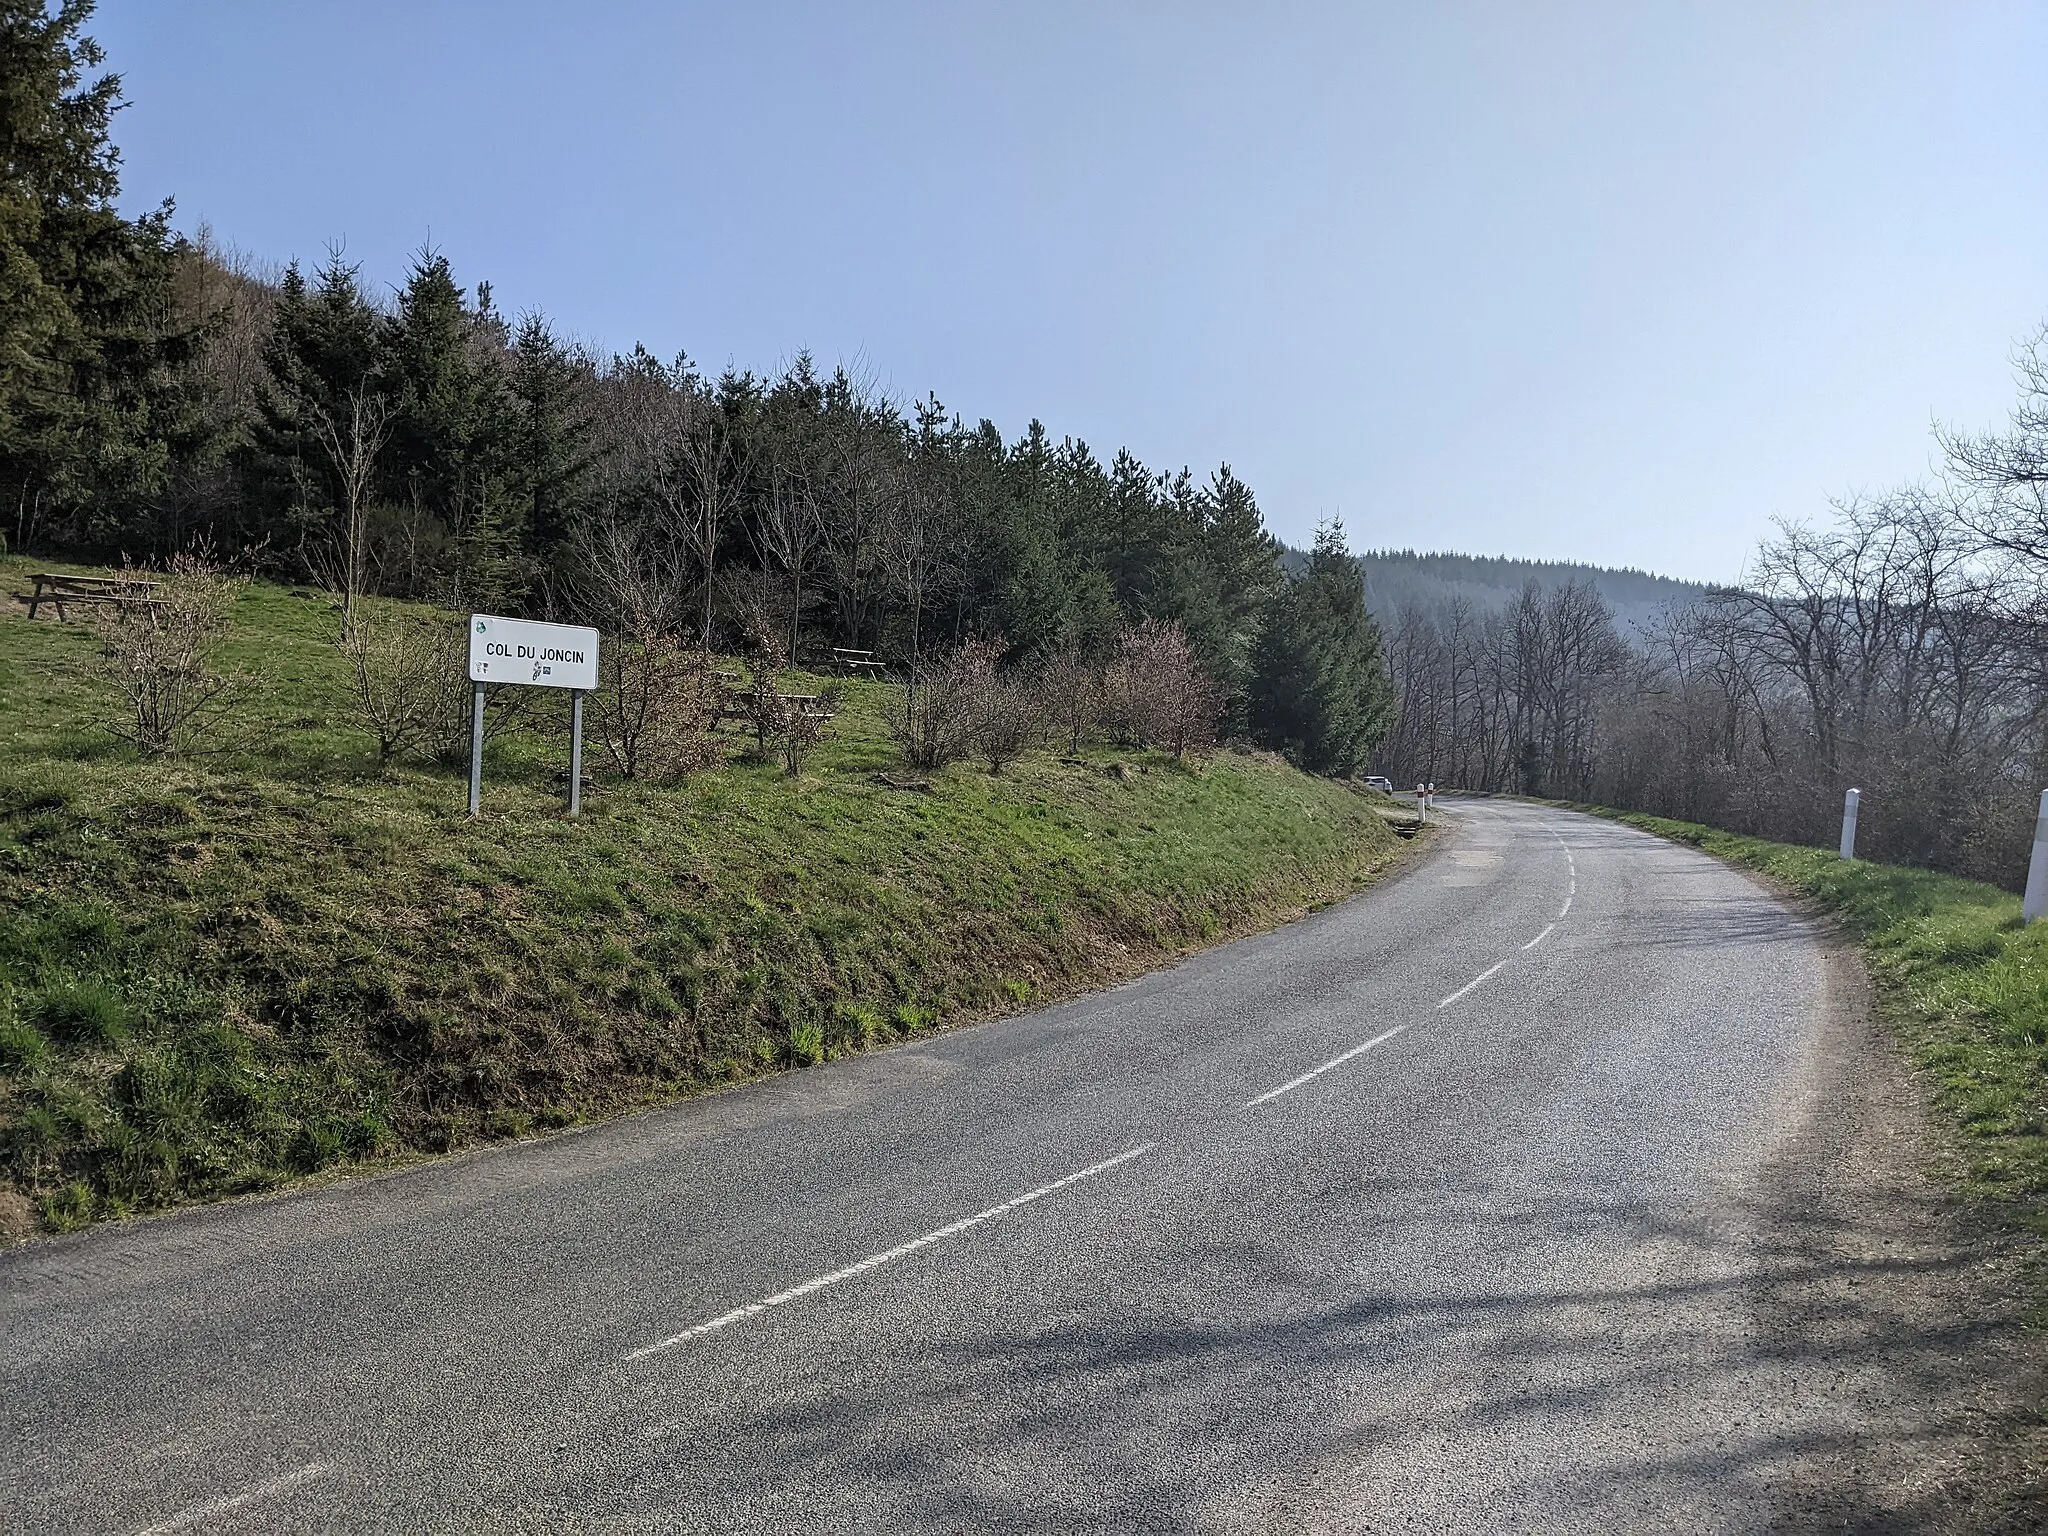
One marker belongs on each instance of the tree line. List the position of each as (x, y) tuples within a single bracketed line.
[(1897, 647), (160, 395)]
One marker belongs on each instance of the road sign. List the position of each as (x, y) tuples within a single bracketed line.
[(535, 656), (538, 655)]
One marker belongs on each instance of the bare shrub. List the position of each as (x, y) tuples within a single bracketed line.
[(1068, 694), (653, 708), (408, 674), (155, 647), (933, 723), (1156, 691), (802, 727), (760, 698), (1002, 714)]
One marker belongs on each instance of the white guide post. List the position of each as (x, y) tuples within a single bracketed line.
[(2035, 903), (1849, 803)]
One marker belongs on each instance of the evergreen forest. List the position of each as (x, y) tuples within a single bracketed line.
[(162, 396)]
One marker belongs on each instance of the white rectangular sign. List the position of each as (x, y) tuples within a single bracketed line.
[(541, 655)]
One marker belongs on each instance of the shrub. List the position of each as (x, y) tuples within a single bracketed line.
[(1002, 714), (408, 674), (963, 707), (1067, 690), (156, 650), (1156, 691), (654, 707)]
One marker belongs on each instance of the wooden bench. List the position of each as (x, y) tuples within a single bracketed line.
[(62, 591), (733, 710), (859, 663)]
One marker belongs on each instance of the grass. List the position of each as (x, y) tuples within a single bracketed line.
[(224, 971), (1962, 981)]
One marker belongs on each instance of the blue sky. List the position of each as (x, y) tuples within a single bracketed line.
[(1606, 282)]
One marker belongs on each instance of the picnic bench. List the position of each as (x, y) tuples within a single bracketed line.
[(63, 591), (732, 708), (859, 663)]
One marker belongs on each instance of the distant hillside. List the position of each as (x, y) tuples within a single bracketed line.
[(1395, 578)]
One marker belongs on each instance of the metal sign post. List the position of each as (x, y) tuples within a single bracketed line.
[(476, 750), (534, 656), (576, 753)]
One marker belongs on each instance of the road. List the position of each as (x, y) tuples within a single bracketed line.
[(1459, 1206)]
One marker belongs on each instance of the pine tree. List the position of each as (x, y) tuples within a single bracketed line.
[(97, 396), (326, 344), (1319, 689), (552, 453)]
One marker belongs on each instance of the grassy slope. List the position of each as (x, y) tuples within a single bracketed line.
[(1960, 978), (224, 971)]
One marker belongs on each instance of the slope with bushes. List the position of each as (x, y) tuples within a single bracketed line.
[(269, 956)]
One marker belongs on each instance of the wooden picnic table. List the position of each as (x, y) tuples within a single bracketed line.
[(60, 590), (857, 662)]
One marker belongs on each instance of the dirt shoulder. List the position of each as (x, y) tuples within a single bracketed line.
[(1869, 1268)]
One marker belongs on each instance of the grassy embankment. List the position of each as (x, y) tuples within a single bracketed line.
[(1961, 980), (224, 971)]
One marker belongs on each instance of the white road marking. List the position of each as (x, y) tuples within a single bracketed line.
[(1330, 1065), (1571, 889), (206, 1513), (1540, 937), (877, 1260), (1471, 984)]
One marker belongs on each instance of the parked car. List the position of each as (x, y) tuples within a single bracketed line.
[(1384, 786)]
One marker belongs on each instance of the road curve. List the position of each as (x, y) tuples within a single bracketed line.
[(1437, 1210)]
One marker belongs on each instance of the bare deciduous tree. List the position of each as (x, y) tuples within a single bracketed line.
[(352, 436)]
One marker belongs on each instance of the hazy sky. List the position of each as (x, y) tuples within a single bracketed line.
[(1605, 282)]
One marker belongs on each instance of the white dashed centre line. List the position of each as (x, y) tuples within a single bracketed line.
[(877, 1260), (1329, 1066), (206, 1514), (1472, 983), (1547, 927)]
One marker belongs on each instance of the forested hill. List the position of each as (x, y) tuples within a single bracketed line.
[(1398, 578)]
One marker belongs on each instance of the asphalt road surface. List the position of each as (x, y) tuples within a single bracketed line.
[(1449, 1208)]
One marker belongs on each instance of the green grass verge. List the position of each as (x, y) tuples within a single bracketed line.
[(225, 971), (1960, 978)]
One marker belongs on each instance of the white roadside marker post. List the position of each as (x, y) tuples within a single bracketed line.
[(2034, 905), (1849, 803)]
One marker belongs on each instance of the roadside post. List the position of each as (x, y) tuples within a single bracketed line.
[(2035, 903), (530, 655), (1849, 803)]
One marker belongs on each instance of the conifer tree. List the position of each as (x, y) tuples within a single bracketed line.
[(1319, 688), (97, 396)]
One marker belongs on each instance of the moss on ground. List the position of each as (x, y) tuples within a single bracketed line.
[(271, 957)]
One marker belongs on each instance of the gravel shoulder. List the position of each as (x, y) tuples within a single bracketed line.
[(1871, 1276)]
